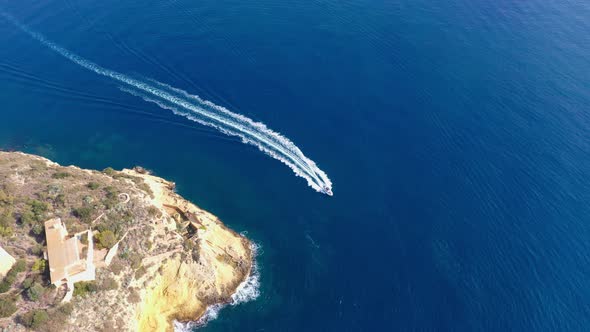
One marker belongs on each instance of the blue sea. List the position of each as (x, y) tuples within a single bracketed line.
[(455, 133)]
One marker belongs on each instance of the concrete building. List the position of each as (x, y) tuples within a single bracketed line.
[(67, 263)]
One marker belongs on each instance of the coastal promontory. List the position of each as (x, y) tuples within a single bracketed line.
[(87, 250)]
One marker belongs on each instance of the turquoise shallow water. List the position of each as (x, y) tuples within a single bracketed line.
[(456, 136)]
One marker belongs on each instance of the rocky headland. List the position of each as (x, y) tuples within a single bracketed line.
[(158, 257)]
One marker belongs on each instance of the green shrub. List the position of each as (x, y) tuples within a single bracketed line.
[(116, 267), (39, 265), (140, 272), (135, 260), (124, 254), (19, 266), (38, 208), (5, 199), (84, 287), (38, 229), (153, 211), (106, 239), (34, 318), (6, 231), (109, 171), (7, 222), (109, 284), (84, 238), (37, 250), (57, 322), (93, 185), (7, 307), (61, 175), (83, 213), (88, 200), (33, 214), (60, 200), (27, 217), (6, 217), (66, 308), (37, 165), (54, 189), (35, 291), (111, 192), (111, 198), (27, 283)]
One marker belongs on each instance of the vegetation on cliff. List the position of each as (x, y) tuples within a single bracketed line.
[(162, 233)]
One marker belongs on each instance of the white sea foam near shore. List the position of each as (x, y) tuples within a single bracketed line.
[(248, 290)]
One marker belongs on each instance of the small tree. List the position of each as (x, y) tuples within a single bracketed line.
[(19, 266), (66, 308), (6, 221), (34, 319), (27, 217), (35, 291), (106, 238), (38, 229), (109, 171), (38, 208), (84, 213), (27, 283), (37, 249), (39, 265), (84, 287)]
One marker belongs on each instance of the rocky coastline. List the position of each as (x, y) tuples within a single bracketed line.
[(169, 259)]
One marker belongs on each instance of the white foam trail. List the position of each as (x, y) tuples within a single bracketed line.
[(206, 113)]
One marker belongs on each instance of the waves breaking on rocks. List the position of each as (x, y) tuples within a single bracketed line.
[(248, 290)]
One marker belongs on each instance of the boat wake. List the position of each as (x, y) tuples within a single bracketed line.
[(203, 112)]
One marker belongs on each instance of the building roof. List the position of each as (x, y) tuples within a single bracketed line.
[(63, 253)]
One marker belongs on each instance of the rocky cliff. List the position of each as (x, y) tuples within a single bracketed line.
[(159, 257)]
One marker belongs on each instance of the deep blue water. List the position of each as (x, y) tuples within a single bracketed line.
[(456, 135)]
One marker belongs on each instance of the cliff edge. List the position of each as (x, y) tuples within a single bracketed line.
[(132, 255)]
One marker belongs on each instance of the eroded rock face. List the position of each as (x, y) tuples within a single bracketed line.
[(220, 261), (173, 259)]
